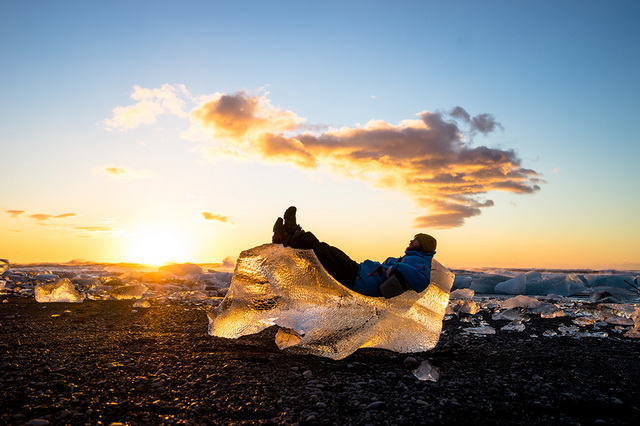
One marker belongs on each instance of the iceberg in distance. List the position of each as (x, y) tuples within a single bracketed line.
[(276, 285)]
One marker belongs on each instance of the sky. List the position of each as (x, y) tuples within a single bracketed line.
[(157, 131)]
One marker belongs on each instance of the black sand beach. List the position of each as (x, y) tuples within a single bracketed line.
[(104, 362)]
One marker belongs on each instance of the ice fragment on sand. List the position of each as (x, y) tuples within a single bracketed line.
[(521, 301), (514, 326), (4, 266), (616, 320), (132, 291), (275, 285), (61, 291), (484, 329), (465, 306), (142, 304), (427, 372), (512, 314), (462, 293)]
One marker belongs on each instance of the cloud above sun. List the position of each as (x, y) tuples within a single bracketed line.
[(432, 157)]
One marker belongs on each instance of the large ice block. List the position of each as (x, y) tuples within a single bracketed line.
[(276, 285)]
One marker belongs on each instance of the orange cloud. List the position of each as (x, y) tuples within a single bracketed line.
[(432, 158), (243, 118), (95, 228), (40, 216), (65, 215), (216, 217)]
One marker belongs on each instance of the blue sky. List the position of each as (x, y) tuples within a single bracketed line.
[(561, 78)]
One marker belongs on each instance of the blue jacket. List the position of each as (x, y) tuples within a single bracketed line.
[(414, 266)]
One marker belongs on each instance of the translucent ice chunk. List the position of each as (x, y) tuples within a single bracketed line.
[(462, 293), (132, 291), (426, 371), (4, 266), (514, 326), (483, 329), (464, 306), (61, 291), (512, 314), (275, 285), (522, 302), (142, 304)]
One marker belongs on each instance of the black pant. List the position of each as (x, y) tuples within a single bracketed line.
[(335, 261)]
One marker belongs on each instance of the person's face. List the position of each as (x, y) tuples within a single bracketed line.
[(414, 245)]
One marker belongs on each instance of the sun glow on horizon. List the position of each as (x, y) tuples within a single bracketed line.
[(158, 245)]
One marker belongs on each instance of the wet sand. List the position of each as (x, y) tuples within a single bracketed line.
[(100, 362)]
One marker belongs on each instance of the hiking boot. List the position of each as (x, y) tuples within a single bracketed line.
[(279, 233), (290, 223)]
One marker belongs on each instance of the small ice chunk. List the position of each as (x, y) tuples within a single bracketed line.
[(484, 329), (465, 306), (4, 266), (584, 321), (462, 293), (512, 314), (550, 310), (522, 302), (616, 320), (142, 304), (60, 291), (632, 334), (132, 291), (426, 371), (285, 338), (514, 326), (288, 287), (568, 330)]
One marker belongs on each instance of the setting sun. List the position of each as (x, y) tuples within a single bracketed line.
[(158, 245)]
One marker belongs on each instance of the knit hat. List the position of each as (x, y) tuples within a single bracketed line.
[(427, 242)]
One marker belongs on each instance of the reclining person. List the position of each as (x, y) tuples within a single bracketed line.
[(390, 278)]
